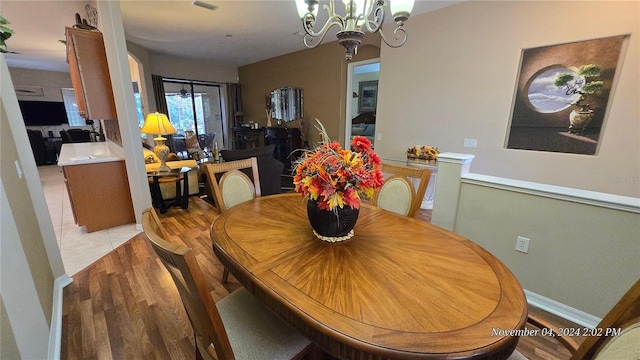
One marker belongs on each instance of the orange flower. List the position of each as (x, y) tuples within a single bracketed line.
[(337, 177)]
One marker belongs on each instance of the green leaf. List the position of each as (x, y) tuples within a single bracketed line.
[(5, 29), (594, 87), (589, 70), (563, 79)]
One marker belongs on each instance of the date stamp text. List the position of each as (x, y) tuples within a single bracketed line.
[(568, 331)]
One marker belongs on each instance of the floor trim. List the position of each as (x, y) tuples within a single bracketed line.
[(55, 334), (564, 311)]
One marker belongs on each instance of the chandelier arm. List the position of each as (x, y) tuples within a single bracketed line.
[(334, 19), (399, 34), (311, 35), (308, 26), (378, 19)]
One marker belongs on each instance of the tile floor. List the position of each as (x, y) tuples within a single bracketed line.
[(78, 248)]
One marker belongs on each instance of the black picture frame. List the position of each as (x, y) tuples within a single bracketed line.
[(367, 96)]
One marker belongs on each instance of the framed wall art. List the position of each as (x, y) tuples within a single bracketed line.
[(562, 95), (367, 96)]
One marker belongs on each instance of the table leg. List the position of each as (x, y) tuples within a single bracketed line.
[(185, 190), (156, 195)]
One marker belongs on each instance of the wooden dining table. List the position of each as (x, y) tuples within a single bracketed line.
[(399, 289)]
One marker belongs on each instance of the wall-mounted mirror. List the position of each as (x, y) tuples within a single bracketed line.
[(287, 104)]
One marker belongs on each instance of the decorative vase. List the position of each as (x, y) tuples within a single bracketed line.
[(579, 120), (330, 225)]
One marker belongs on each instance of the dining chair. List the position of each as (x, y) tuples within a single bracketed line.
[(233, 186), (236, 327), (617, 336), (230, 186), (398, 193)]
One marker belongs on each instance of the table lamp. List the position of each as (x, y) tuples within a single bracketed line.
[(158, 123)]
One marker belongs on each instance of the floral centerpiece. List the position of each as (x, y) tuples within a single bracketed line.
[(423, 152), (335, 180)]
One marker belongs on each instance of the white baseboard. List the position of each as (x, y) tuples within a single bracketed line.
[(55, 334), (564, 311)]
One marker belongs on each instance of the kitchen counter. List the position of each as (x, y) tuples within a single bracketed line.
[(97, 184), (89, 153)]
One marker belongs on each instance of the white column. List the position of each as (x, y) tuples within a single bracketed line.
[(116, 49), (451, 167)]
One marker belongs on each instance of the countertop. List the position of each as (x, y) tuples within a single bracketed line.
[(89, 153)]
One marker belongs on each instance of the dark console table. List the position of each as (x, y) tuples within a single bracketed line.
[(246, 138), (287, 140)]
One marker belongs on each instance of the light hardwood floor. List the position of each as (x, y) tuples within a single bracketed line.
[(125, 306)]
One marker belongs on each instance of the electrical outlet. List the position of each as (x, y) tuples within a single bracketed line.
[(470, 143), (522, 244), (379, 137)]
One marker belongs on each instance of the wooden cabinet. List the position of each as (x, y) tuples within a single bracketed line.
[(99, 195), (90, 74)]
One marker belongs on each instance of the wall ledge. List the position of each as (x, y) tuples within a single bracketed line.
[(455, 158), (611, 201)]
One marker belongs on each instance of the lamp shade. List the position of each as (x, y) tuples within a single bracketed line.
[(401, 6), (303, 8), (157, 123)]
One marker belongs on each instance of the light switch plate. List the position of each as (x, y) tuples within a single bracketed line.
[(470, 143)]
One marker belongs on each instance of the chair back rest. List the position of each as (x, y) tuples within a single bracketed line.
[(236, 188), (398, 193), (180, 261), (79, 135), (619, 331), (233, 187), (66, 138)]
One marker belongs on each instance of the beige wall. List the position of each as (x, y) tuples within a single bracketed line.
[(50, 81), (30, 258), (580, 255), (320, 72), (192, 69), (455, 79)]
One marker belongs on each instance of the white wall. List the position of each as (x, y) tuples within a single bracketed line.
[(455, 79)]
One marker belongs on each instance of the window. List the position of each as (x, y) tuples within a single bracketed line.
[(195, 106), (69, 99)]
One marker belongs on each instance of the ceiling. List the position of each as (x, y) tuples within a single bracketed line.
[(237, 33)]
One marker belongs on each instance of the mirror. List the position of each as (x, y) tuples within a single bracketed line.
[(287, 104)]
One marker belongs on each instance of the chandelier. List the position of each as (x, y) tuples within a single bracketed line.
[(359, 15)]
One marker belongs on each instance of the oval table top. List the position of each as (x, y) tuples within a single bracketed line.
[(399, 289)]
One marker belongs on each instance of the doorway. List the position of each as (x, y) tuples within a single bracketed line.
[(361, 102)]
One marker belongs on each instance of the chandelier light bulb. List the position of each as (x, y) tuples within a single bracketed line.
[(359, 16), (303, 8)]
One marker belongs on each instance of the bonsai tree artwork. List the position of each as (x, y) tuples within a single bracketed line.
[(581, 83)]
